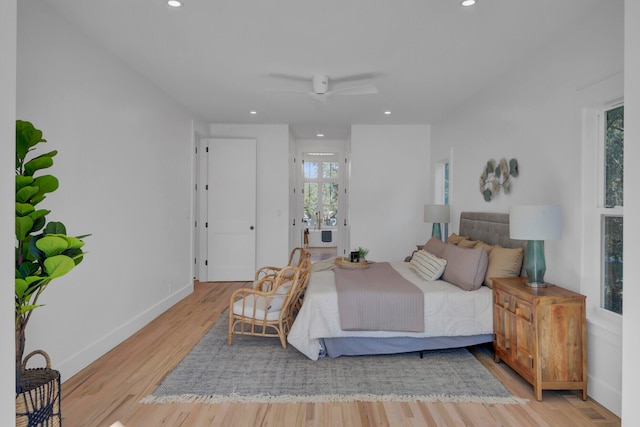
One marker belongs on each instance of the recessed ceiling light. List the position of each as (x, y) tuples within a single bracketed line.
[(253, 112), (388, 113), (468, 2), (320, 135), (174, 3)]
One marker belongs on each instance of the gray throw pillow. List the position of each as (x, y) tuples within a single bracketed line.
[(466, 268)]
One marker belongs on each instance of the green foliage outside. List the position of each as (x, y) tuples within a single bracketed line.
[(613, 226)]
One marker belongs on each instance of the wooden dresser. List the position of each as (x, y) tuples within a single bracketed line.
[(541, 333)]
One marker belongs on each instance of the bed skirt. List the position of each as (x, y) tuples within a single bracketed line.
[(357, 346)]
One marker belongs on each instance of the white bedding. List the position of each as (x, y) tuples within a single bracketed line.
[(449, 311)]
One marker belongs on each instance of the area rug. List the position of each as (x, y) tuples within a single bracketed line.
[(258, 369)]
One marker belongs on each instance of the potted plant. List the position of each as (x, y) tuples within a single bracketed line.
[(362, 253), (44, 252)]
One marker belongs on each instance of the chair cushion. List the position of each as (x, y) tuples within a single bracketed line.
[(260, 302), (276, 303)]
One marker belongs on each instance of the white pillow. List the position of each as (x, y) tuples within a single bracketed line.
[(276, 303), (427, 265)]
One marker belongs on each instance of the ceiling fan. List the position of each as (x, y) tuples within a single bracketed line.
[(320, 89)]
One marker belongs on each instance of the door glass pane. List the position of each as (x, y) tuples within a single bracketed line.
[(612, 264), (310, 169), (329, 202), (614, 153), (310, 203)]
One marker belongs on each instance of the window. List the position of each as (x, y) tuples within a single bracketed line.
[(611, 207), (321, 179), (441, 187)]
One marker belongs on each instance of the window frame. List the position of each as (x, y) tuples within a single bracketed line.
[(601, 210)]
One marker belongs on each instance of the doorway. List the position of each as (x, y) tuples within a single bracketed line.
[(323, 214)]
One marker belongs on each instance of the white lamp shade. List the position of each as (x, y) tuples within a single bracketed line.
[(436, 213), (535, 222)]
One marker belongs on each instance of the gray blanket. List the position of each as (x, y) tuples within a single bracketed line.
[(378, 299)]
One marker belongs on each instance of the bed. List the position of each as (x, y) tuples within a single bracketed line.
[(453, 317)]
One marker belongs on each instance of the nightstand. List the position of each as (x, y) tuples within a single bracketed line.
[(541, 333)]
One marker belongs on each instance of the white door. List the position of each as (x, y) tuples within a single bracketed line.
[(232, 210)]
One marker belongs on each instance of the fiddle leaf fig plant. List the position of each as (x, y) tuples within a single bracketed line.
[(44, 251)]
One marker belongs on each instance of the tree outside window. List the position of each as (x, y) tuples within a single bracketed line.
[(612, 223)]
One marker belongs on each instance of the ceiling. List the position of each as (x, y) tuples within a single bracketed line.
[(219, 57)]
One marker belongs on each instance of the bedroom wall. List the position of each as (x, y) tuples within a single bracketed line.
[(272, 227), (7, 207), (124, 164), (389, 183), (531, 114)]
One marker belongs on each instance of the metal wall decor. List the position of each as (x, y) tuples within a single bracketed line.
[(495, 177)]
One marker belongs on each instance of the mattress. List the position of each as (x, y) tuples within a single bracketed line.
[(449, 312)]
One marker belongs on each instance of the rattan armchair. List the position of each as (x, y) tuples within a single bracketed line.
[(268, 309), (295, 259)]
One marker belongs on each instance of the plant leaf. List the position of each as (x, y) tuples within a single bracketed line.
[(23, 181), (47, 183), (26, 193), (55, 227), (24, 209), (36, 164), (26, 137), (52, 245), (23, 227), (58, 266)]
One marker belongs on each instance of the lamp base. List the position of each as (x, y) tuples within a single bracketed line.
[(535, 284), (435, 230)]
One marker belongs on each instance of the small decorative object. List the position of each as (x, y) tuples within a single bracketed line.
[(535, 223), (355, 256), (362, 253), (495, 177), (437, 214)]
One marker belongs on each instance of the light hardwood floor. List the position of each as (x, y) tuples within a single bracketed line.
[(110, 389)]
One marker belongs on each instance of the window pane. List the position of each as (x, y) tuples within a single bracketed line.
[(612, 264), (614, 152), (310, 169), (329, 169)]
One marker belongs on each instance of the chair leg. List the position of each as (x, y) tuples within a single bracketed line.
[(230, 336)]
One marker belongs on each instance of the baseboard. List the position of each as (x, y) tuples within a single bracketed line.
[(94, 351), (605, 395)]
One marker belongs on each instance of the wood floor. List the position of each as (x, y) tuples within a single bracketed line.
[(109, 389)]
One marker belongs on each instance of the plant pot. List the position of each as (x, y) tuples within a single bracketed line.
[(38, 405)]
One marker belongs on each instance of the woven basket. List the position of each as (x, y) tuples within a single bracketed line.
[(351, 265), (39, 404)]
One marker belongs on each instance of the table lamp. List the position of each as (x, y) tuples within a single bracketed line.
[(436, 214), (535, 223)]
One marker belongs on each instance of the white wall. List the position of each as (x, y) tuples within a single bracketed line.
[(631, 319), (7, 208), (272, 227), (124, 166), (531, 114), (390, 176)]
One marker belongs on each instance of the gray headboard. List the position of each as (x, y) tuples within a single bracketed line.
[(492, 228)]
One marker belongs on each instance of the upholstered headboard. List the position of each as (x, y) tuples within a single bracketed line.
[(491, 228)]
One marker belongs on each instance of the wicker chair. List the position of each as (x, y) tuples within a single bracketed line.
[(268, 309), (295, 259)]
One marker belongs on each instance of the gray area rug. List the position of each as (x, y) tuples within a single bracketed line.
[(258, 369)]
